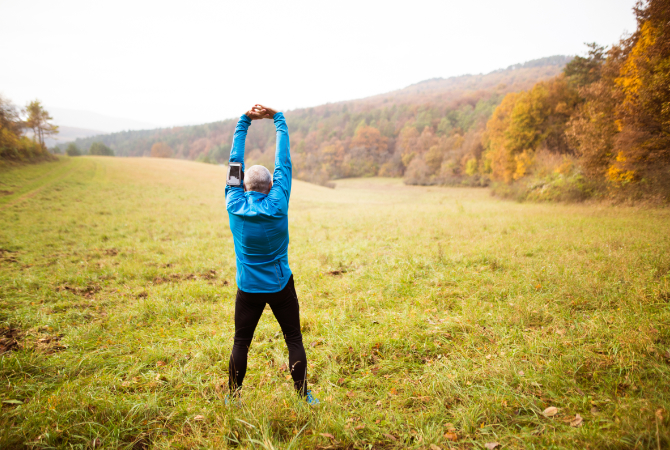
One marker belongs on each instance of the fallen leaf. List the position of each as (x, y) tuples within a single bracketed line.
[(288, 377), (350, 394), (550, 412), (379, 403), (340, 381), (328, 435), (359, 427), (160, 363), (449, 426), (521, 373), (491, 445), (393, 391), (435, 447), (577, 421), (199, 418), (451, 437), (390, 436)]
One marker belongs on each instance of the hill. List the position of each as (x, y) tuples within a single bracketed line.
[(363, 137)]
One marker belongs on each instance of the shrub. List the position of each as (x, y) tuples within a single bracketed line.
[(72, 150), (100, 149)]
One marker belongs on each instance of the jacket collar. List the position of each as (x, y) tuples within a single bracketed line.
[(255, 195)]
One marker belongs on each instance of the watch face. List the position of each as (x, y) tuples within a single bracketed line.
[(235, 175)]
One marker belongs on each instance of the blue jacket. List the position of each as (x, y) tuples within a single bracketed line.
[(259, 222)]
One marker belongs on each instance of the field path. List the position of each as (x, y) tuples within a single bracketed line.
[(33, 187)]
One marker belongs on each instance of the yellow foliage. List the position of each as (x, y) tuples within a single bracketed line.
[(630, 79), (523, 162), (471, 167), (498, 156), (619, 175)]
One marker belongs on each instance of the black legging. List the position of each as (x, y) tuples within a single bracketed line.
[(248, 310)]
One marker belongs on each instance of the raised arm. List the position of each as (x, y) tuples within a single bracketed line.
[(282, 177), (237, 150), (239, 140)]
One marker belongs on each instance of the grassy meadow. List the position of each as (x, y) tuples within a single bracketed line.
[(432, 317)]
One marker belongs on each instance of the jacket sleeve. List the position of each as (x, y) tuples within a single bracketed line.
[(234, 193), (282, 177)]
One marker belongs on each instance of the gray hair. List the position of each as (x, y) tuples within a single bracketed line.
[(257, 178)]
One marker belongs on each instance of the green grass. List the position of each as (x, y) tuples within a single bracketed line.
[(425, 311)]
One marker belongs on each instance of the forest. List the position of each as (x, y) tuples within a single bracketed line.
[(375, 136), (601, 128)]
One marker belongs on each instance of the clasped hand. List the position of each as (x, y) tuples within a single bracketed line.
[(260, 112)]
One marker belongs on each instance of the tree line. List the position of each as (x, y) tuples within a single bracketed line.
[(375, 136)]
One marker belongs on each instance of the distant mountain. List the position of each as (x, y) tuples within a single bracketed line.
[(359, 137), (87, 120), (69, 134)]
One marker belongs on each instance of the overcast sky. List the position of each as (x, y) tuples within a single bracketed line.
[(178, 62)]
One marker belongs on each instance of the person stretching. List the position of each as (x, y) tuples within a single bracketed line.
[(258, 216)]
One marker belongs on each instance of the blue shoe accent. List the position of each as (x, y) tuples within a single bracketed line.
[(311, 400), (236, 401)]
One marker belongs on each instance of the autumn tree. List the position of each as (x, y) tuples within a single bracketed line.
[(13, 144), (622, 129), (161, 150), (526, 121), (38, 120), (642, 148), (367, 151), (582, 71)]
